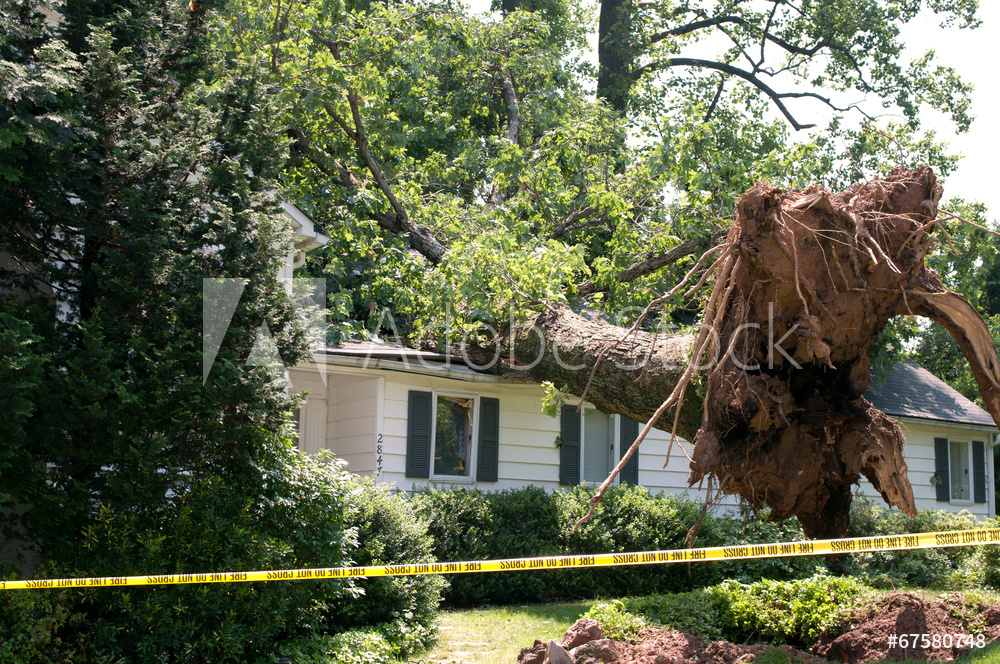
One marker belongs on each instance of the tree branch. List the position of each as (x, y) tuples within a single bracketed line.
[(421, 239), (652, 263), (514, 121), (750, 77), (573, 218)]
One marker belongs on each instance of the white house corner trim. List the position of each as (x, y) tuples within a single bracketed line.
[(378, 449)]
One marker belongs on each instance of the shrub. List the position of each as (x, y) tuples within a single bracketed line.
[(40, 627), (793, 612), (468, 524), (950, 567), (616, 622), (307, 512), (295, 517), (388, 532), (354, 646), (697, 612), (472, 525)]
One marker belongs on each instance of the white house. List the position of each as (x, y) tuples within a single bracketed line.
[(414, 418)]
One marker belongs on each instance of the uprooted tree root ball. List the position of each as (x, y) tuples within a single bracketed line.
[(811, 281)]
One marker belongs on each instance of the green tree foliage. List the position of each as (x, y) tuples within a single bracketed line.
[(134, 166), (468, 170)]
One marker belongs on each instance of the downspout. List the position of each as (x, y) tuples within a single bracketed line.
[(991, 494)]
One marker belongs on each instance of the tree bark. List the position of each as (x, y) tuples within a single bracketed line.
[(614, 55)]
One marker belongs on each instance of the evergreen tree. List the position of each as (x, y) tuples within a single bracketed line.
[(137, 159)]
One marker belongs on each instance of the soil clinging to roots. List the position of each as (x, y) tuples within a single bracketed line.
[(810, 281)]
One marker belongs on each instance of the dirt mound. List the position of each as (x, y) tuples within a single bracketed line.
[(904, 615), (899, 615), (655, 646)]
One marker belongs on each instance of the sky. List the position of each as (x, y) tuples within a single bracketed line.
[(975, 54)]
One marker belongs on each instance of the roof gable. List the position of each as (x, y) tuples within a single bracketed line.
[(912, 391)]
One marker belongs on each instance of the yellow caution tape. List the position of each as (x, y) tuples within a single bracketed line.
[(718, 553)]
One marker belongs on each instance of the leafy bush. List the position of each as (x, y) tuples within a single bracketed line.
[(472, 525), (388, 532), (697, 612), (616, 621), (355, 646), (295, 517), (950, 567), (39, 627), (468, 524), (309, 512), (793, 612)]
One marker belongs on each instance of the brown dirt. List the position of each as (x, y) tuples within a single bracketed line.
[(673, 647), (864, 643), (790, 428), (900, 614)]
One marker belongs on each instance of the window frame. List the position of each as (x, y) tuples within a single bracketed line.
[(473, 456), (615, 433), (970, 468)]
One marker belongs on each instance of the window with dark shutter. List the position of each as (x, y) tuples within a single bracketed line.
[(569, 454), (941, 469), (418, 434), (489, 440), (978, 471), (628, 430)]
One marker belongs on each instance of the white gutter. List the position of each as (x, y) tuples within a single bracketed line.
[(987, 429), (416, 367)]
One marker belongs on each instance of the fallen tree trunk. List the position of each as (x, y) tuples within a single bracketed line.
[(808, 282)]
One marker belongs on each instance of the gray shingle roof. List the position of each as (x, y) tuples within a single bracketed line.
[(912, 391)]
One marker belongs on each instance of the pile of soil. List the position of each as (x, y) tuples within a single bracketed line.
[(867, 642)]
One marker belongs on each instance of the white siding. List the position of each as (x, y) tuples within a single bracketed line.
[(340, 415), (919, 455), (528, 454), (364, 405), (352, 420)]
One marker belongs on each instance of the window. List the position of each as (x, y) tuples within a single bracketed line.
[(452, 436), (453, 422), (959, 464), (960, 471), (592, 443), (598, 446)]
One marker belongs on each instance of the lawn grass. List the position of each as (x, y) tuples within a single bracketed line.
[(495, 635), (988, 655)]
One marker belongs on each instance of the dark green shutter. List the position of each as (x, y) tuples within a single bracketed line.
[(419, 436), (941, 469), (489, 440), (978, 471), (628, 430), (569, 454)]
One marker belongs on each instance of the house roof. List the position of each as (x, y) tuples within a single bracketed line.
[(911, 391)]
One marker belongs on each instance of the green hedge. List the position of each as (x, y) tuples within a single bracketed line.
[(953, 568), (793, 612), (305, 512), (472, 525), (468, 524)]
